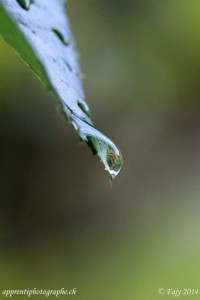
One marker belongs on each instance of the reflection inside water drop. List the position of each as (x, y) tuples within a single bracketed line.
[(114, 161), (100, 145)]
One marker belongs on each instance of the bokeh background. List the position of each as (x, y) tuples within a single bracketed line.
[(60, 223)]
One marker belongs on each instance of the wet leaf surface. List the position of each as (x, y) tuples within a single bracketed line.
[(40, 32)]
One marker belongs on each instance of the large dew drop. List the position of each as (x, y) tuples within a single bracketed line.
[(100, 145)]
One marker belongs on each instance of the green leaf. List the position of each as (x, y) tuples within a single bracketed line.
[(40, 33)]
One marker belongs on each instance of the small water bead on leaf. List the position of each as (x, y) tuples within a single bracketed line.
[(64, 39), (100, 145), (68, 66), (84, 107), (25, 3)]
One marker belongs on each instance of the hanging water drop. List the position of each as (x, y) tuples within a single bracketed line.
[(114, 161), (100, 145)]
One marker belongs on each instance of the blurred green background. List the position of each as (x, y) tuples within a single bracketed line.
[(60, 223)]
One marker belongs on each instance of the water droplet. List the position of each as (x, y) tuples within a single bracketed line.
[(84, 107), (68, 65), (25, 3), (100, 145), (74, 125), (64, 39)]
